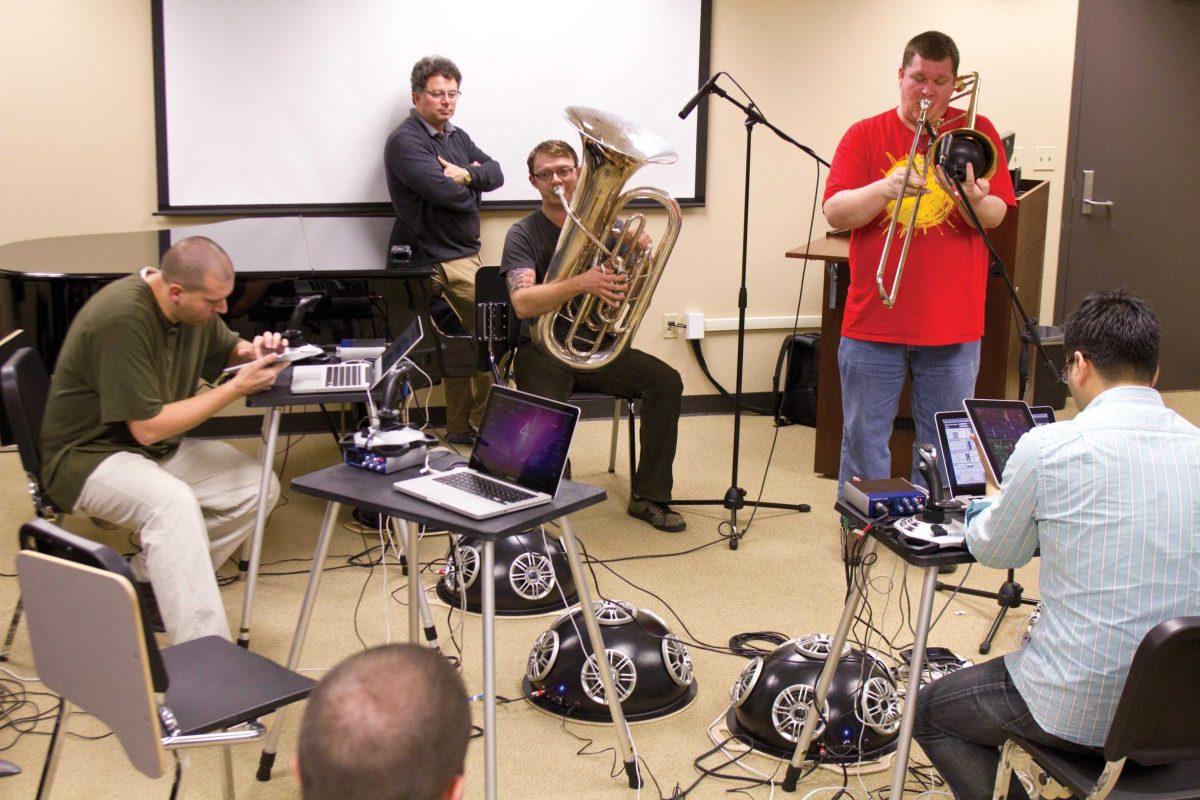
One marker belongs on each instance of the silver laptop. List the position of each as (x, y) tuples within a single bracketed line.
[(517, 461), (359, 375), (960, 460)]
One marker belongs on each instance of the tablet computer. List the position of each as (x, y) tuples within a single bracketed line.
[(1042, 415), (998, 425)]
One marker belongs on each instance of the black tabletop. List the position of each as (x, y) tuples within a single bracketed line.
[(919, 555), (374, 492)]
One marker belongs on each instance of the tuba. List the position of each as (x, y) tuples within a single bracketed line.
[(952, 150), (586, 333)]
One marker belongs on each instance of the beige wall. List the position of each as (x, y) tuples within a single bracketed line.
[(77, 138)]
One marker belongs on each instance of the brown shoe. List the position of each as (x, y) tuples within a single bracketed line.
[(657, 514)]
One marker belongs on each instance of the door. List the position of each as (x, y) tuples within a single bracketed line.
[(1135, 125)]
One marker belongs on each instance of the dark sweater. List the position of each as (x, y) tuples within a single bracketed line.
[(434, 213)]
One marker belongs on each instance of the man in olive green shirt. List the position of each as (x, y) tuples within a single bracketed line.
[(125, 391)]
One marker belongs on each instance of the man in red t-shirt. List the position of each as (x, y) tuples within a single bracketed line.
[(933, 331)]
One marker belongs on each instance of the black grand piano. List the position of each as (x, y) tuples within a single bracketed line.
[(278, 261)]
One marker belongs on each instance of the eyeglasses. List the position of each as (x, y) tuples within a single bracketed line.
[(439, 95), (562, 172), (1067, 366)]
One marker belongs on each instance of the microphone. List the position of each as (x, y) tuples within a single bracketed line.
[(708, 86)]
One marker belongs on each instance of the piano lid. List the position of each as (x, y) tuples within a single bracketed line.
[(259, 246)]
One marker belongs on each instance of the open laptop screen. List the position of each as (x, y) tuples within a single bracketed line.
[(524, 439), (398, 349)]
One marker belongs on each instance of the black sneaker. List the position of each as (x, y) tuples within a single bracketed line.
[(461, 438), (657, 514), (150, 606)]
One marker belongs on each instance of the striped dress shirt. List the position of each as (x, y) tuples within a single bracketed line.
[(1112, 498)]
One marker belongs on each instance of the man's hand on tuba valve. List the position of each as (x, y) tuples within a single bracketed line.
[(603, 283)]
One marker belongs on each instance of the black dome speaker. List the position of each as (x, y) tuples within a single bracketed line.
[(651, 667), (530, 571), (769, 702)]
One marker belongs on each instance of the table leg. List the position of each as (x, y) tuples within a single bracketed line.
[(419, 614), (624, 741), (916, 665), (414, 582), (267, 759), (854, 601), (488, 590), (271, 429)]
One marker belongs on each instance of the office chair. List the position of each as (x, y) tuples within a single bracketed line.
[(93, 648), (1152, 751)]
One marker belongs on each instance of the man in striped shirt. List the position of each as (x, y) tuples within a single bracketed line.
[(1112, 498)]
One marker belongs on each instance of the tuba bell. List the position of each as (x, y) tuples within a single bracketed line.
[(586, 333)]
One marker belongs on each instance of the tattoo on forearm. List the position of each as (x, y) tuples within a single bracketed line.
[(519, 279)]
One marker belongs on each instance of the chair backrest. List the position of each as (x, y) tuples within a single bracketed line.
[(10, 344), (1156, 717), (497, 328), (89, 649), (25, 387), (47, 538)]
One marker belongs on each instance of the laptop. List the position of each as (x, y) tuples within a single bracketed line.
[(960, 461), (517, 461), (357, 375)]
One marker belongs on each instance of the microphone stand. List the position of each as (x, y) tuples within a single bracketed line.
[(1010, 594), (735, 496)]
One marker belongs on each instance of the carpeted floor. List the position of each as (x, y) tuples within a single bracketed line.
[(787, 576)]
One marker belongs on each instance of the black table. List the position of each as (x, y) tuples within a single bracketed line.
[(342, 484), (926, 558)]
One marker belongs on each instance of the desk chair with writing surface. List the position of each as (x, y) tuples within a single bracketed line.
[(93, 648), (1152, 750), (497, 331)]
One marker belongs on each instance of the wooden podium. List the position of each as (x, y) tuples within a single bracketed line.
[(1021, 242)]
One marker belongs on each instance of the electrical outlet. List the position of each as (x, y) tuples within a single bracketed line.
[(1017, 159), (669, 331), (1045, 159)]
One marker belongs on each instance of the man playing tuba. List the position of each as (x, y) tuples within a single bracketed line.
[(528, 250)]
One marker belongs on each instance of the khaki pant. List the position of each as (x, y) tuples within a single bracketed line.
[(465, 397), (190, 512)]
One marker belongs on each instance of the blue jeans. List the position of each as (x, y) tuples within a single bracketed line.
[(872, 379), (964, 718)]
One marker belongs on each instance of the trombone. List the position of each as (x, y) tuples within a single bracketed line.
[(952, 150)]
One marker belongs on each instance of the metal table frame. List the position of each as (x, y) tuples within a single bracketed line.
[(342, 484), (928, 563)]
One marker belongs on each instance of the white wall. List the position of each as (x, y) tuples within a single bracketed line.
[(77, 139)]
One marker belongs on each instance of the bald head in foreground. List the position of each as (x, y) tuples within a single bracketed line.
[(390, 723)]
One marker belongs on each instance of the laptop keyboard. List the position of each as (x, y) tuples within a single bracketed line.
[(484, 487), (341, 375)]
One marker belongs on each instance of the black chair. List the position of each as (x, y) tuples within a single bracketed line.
[(24, 387), (93, 648), (497, 331), (1152, 751)]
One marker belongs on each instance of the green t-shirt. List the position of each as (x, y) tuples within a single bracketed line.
[(122, 360)]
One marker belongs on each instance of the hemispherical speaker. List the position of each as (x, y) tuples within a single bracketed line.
[(530, 570), (650, 667), (770, 702)]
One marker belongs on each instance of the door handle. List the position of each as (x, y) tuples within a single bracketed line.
[(1089, 177)]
